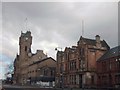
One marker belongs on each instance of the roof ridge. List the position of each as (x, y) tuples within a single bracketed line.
[(42, 60)]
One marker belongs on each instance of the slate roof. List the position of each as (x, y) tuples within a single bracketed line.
[(71, 49), (93, 42), (111, 53), (42, 61)]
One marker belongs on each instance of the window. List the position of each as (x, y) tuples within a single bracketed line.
[(52, 73), (104, 68), (82, 65), (110, 66), (73, 65), (104, 80), (117, 79), (92, 79), (81, 51), (70, 79), (70, 64), (118, 63), (45, 72), (25, 48), (74, 79)]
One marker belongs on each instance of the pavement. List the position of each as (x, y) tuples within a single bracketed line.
[(17, 87)]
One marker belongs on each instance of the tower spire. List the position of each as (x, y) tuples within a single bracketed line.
[(26, 23)]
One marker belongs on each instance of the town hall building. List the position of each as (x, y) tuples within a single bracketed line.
[(77, 65)]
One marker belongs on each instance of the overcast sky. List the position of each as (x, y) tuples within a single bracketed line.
[(55, 24)]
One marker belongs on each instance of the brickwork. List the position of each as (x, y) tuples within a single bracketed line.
[(108, 68)]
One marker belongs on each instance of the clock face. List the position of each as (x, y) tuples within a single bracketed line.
[(29, 54), (26, 38)]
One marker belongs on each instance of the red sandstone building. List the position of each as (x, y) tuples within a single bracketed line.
[(108, 68), (32, 68), (76, 66)]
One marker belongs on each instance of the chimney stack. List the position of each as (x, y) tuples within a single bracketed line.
[(97, 39)]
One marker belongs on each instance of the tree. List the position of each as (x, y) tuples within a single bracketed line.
[(9, 73)]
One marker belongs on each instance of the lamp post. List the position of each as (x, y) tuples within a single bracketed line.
[(61, 67)]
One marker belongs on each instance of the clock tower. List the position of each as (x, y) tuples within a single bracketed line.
[(25, 41)]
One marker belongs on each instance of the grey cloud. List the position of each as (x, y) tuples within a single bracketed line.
[(59, 23)]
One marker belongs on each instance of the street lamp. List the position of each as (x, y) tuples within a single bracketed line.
[(61, 67)]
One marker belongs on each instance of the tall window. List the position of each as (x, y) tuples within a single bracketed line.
[(52, 72), (119, 63), (117, 79), (81, 51), (92, 79), (104, 80), (74, 79), (25, 48), (104, 66), (82, 65), (45, 72), (72, 65), (70, 79)]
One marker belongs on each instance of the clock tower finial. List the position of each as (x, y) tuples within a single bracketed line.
[(82, 27)]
